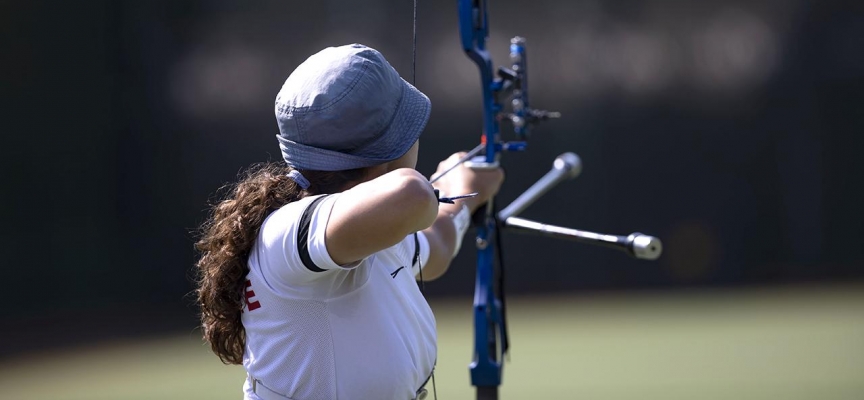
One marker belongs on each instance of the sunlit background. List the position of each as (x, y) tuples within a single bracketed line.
[(730, 129)]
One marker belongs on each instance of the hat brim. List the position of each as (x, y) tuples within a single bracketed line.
[(408, 123)]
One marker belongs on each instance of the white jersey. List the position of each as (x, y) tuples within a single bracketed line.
[(317, 330)]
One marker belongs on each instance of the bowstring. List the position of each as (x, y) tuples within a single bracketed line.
[(414, 47), (414, 82)]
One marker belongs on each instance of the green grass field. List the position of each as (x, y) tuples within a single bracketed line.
[(798, 343)]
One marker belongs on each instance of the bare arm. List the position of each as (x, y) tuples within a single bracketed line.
[(442, 234), (379, 213)]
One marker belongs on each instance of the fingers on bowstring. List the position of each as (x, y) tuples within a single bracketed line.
[(457, 156), (451, 160)]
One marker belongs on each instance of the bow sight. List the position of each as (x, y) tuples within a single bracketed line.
[(510, 83), (490, 331), (515, 83)]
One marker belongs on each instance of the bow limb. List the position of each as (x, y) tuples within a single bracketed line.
[(486, 366)]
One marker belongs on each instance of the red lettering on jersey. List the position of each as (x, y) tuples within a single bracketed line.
[(254, 305)]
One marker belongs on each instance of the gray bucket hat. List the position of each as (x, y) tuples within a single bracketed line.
[(345, 107)]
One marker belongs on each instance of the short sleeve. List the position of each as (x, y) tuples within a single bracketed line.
[(291, 247), (318, 215)]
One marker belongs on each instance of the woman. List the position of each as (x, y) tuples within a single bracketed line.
[(307, 270)]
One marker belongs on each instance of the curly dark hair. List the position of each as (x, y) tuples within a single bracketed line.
[(228, 235)]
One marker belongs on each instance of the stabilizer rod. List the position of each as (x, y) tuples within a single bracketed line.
[(565, 166), (643, 247), (569, 166)]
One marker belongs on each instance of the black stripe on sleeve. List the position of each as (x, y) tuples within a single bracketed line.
[(303, 236), (416, 249)]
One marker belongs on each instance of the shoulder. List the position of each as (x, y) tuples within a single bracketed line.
[(289, 216), (291, 246), (295, 209)]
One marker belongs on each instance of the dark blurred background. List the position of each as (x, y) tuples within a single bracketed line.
[(729, 129)]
